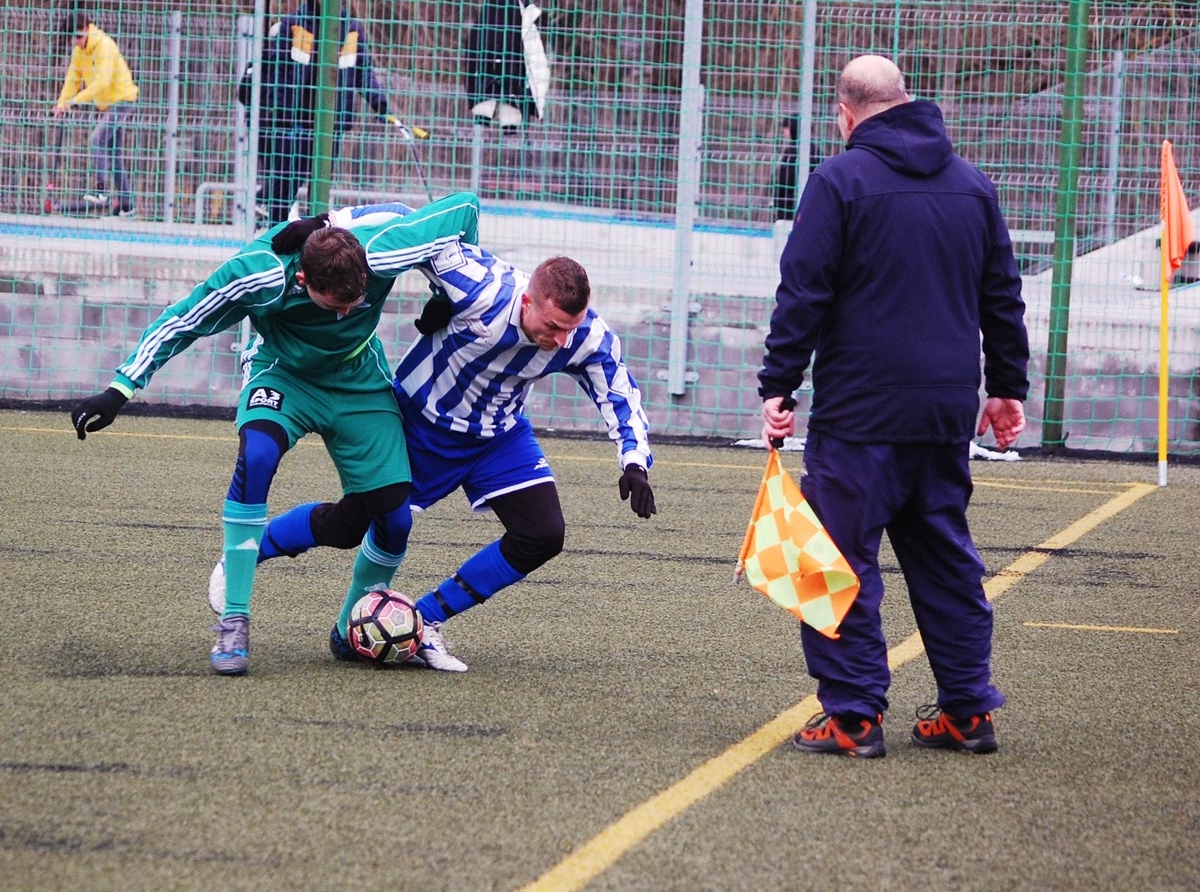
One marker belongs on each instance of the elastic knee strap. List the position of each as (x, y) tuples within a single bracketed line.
[(534, 528), (484, 574), (340, 524)]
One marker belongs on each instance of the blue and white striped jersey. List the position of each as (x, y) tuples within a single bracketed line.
[(473, 375)]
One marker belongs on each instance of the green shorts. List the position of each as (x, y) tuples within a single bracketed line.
[(352, 408)]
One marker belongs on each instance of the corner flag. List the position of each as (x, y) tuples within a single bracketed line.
[(789, 557), (1178, 231), (1177, 236)]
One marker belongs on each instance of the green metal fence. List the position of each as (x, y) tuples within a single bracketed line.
[(653, 162)]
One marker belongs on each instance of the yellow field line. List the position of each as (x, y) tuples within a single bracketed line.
[(1086, 628), (67, 429), (1056, 486), (1083, 487), (608, 846), (141, 435)]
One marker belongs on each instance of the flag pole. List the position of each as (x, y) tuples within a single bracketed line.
[(1178, 234), (1164, 290)]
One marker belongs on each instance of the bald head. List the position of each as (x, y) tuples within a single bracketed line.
[(867, 86), (869, 81)]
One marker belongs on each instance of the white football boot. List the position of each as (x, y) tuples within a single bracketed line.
[(216, 588), (434, 652)]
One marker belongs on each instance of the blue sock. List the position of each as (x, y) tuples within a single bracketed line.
[(483, 574), (289, 534)]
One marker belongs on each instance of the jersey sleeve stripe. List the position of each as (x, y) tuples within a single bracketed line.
[(211, 313)]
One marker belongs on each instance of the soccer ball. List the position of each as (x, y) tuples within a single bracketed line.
[(385, 627)]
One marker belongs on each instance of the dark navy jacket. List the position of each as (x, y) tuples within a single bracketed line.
[(289, 73), (898, 260)]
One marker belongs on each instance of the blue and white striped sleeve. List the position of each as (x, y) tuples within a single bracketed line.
[(601, 372)]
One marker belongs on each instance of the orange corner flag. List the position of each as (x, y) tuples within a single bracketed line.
[(788, 556), (1178, 231)]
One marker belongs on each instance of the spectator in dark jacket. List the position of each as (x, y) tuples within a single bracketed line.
[(783, 200), (289, 96), (898, 260)]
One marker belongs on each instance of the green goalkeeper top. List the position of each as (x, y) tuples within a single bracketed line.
[(293, 330)]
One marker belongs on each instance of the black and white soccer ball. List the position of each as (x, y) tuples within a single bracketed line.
[(385, 627)]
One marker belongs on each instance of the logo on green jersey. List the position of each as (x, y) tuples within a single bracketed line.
[(265, 398)]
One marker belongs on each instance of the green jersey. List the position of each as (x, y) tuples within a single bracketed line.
[(293, 331)]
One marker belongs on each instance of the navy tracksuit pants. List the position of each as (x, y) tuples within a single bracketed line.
[(285, 164), (918, 494)]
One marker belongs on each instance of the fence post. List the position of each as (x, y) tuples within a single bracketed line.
[(687, 186), (171, 142), (1064, 225), (1115, 116), (328, 49), (807, 77), (243, 197)]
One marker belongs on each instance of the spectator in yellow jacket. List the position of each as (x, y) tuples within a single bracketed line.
[(98, 74)]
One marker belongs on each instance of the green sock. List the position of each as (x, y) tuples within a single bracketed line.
[(244, 526), (372, 566)]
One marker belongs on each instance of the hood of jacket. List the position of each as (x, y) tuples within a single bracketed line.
[(909, 138)]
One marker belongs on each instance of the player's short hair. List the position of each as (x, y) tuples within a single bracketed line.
[(334, 263), (565, 284)]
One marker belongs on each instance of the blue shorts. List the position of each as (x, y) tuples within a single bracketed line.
[(442, 461)]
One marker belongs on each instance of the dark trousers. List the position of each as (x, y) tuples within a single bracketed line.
[(918, 494), (285, 164)]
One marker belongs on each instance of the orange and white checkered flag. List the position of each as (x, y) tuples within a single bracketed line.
[(788, 556)]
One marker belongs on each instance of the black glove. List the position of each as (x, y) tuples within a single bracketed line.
[(436, 313), (291, 238), (105, 405), (635, 483)]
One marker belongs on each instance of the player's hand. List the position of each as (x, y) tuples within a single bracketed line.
[(635, 487), (103, 407), (291, 238), (436, 313)]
